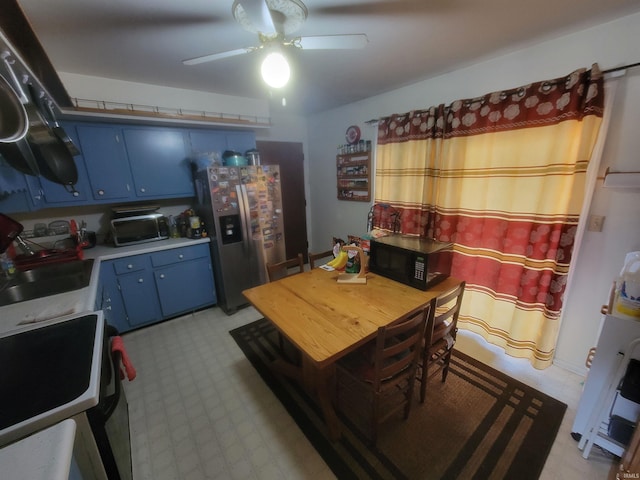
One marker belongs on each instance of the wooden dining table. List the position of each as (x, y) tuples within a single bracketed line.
[(325, 320)]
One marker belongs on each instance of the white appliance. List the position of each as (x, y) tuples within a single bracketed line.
[(241, 207)]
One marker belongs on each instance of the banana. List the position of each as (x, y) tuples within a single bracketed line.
[(341, 260), (332, 262)]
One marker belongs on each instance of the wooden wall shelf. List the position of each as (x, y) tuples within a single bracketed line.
[(354, 176)]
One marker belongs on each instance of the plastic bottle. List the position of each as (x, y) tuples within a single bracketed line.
[(8, 267), (626, 301)]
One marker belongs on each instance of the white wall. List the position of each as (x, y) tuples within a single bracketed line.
[(601, 255)]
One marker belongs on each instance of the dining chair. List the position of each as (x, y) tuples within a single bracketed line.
[(314, 257), (279, 270), (276, 271), (440, 336), (382, 372)]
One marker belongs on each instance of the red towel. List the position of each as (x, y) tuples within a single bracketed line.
[(117, 345)]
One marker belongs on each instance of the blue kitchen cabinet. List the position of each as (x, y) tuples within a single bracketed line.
[(19, 192), (184, 279), (106, 161), (240, 141), (134, 278), (219, 141), (159, 160), (109, 299), (143, 289), (205, 141)]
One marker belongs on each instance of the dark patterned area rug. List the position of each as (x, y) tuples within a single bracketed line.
[(479, 424)]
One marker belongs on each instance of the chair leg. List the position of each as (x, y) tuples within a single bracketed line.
[(423, 377), (445, 368)]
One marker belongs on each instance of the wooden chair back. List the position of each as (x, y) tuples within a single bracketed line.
[(383, 371), (279, 270), (314, 257), (440, 335)]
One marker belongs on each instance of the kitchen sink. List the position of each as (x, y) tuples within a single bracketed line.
[(46, 280), (50, 372)]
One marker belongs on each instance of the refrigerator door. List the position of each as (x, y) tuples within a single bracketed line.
[(267, 224), (235, 263)]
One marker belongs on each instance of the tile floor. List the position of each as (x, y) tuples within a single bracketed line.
[(198, 409)]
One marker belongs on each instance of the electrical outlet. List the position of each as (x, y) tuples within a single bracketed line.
[(595, 223)]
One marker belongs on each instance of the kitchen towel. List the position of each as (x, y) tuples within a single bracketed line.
[(117, 345)]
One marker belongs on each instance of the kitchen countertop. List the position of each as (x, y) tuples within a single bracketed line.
[(45, 308), (45, 455)]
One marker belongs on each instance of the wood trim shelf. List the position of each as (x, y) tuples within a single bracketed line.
[(120, 112)]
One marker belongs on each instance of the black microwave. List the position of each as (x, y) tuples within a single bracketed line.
[(414, 261)]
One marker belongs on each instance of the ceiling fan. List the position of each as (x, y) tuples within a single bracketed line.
[(274, 21)]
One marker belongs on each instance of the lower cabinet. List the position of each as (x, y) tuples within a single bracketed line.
[(143, 289)]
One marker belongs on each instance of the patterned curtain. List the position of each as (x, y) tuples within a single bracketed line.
[(502, 177)]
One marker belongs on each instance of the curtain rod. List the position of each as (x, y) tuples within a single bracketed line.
[(610, 70)]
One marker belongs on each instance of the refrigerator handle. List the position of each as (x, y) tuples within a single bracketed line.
[(245, 217)]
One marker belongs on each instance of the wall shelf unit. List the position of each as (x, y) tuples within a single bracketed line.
[(354, 176)]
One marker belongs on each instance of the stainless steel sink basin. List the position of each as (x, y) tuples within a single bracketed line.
[(46, 280)]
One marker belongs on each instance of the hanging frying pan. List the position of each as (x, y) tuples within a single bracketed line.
[(54, 159), (59, 132)]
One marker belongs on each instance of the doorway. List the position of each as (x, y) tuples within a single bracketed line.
[(290, 157)]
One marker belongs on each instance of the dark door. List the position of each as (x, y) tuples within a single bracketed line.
[(291, 160)]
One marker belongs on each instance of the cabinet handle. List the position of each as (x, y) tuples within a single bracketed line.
[(108, 308), (75, 193), (129, 266), (181, 256), (100, 192), (142, 190), (140, 280), (162, 275)]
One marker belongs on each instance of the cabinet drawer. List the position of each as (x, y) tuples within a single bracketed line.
[(176, 255), (130, 264)]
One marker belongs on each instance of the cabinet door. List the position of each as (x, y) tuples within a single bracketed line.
[(18, 192), (219, 141), (140, 297), (159, 162), (106, 161), (241, 141), (109, 299), (207, 141), (185, 286)]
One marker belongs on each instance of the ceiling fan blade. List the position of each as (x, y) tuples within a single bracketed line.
[(216, 56), (256, 15), (333, 42)]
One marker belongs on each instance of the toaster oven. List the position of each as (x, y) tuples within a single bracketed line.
[(134, 229)]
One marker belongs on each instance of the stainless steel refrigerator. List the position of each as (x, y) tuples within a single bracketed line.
[(241, 208)]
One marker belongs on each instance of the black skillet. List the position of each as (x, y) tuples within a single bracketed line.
[(54, 159)]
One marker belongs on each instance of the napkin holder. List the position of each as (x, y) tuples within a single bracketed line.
[(357, 278)]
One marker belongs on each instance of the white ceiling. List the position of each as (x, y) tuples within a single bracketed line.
[(409, 40)]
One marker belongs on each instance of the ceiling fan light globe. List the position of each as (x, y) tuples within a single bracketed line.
[(275, 70)]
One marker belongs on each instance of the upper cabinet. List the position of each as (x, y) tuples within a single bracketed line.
[(159, 160), (124, 163), (219, 141), (106, 160)]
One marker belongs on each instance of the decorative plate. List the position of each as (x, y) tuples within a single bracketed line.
[(353, 134)]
